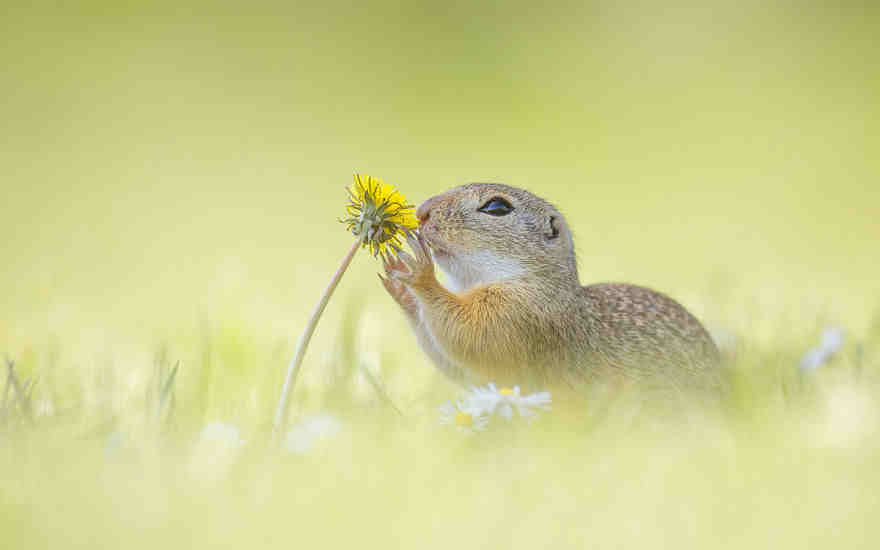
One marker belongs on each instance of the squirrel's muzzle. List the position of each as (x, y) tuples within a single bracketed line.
[(423, 212)]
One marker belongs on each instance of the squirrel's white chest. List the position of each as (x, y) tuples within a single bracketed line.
[(477, 268)]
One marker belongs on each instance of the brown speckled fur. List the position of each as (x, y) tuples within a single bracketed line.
[(515, 312)]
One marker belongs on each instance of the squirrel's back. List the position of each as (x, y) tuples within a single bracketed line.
[(643, 334)]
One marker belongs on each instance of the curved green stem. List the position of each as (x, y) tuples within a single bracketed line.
[(293, 367)]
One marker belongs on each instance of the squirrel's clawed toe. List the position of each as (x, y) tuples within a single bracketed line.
[(411, 269), (400, 293), (395, 287)]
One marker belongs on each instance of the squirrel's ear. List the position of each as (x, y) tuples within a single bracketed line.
[(551, 227)]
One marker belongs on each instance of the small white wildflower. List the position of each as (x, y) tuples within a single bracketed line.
[(813, 359), (215, 451), (464, 416), (484, 398), (832, 342), (505, 401), (221, 434), (310, 432), (114, 445)]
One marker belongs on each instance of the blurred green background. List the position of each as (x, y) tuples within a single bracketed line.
[(171, 182), (164, 165), (161, 166)]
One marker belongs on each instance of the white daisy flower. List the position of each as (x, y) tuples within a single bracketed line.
[(484, 398), (464, 416), (312, 432), (216, 450), (505, 401), (221, 434)]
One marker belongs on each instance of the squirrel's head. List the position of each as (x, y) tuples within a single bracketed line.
[(484, 232)]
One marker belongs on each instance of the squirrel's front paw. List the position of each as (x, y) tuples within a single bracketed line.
[(419, 266), (396, 288)]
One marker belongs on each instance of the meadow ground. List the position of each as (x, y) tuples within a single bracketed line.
[(171, 184), (788, 460)]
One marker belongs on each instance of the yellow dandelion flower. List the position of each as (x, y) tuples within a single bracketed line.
[(378, 214)]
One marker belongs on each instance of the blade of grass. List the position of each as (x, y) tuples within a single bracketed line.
[(379, 388), (23, 403), (166, 389)]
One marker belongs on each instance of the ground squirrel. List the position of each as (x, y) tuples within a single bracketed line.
[(515, 312)]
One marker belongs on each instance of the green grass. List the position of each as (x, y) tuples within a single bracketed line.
[(788, 460)]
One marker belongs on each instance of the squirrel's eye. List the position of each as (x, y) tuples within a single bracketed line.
[(496, 207)]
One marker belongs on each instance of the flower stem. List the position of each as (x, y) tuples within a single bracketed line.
[(293, 367)]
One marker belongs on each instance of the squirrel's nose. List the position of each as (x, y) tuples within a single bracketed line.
[(423, 212)]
